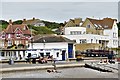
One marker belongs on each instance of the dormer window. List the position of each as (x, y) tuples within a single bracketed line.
[(106, 26)]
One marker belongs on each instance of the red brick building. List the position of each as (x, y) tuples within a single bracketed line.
[(15, 35)]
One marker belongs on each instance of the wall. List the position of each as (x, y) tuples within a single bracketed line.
[(91, 30), (113, 41), (69, 29), (82, 47), (88, 37), (53, 48)]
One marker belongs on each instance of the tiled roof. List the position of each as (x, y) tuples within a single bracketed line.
[(11, 29), (73, 22), (105, 23), (50, 39)]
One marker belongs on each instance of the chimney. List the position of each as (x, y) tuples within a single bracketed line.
[(33, 18), (24, 20), (65, 22), (10, 21)]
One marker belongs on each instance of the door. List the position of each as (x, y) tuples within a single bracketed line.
[(41, 54), (63, 55), (70, 50)]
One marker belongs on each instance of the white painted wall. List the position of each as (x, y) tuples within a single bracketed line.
[(53, 48), (88, 37), (69, 29), (113, 41)]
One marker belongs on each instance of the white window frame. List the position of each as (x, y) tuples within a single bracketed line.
[(9, 43)]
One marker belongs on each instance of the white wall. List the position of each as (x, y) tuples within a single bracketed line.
[(113, 40), (69, 29), (53, 48), (88, 37)]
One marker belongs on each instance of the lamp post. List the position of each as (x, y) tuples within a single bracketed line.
[(44, 45)]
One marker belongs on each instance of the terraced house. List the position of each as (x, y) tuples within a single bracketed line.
[(15, 39)]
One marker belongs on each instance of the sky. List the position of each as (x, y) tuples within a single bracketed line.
[(58, 11)]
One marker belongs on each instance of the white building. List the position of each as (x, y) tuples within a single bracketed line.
[(87, 38), (108, 35), (113, 35), (74, 30), (61, 48)]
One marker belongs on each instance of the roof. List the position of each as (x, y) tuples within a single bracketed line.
[(50, 39), (105, 23), (73, 22), (32, 21), (11, 28)]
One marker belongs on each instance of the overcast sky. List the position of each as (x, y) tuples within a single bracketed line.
[(58, 11)]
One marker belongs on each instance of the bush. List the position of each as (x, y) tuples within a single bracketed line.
[(20, 45)]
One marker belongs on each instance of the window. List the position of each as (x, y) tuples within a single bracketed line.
[(96, 40), (57, 54), (91, 40), (84, 32), (75, 32), (114, 42), (88, 26), (82, 41), (9, 42), (2, 43), (3, 35), (9, 36), (2, 54), (47, 53), (18, 35), (14, 53), (42, 54), (9, 53), (113, 34)]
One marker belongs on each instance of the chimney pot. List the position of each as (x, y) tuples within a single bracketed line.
[(33, 18), (10, 21), (24, 20)]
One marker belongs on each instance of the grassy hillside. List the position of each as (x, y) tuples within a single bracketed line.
[(51, 25), (36, 30), (40, 30)]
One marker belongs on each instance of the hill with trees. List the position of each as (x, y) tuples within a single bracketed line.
[(47, 29)]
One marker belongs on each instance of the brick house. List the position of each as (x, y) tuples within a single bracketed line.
[(15, 35)]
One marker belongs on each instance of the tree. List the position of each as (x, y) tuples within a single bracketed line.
[(18, 22), (3, 24)]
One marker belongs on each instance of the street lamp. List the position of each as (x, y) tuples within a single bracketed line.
[(44, 45)]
